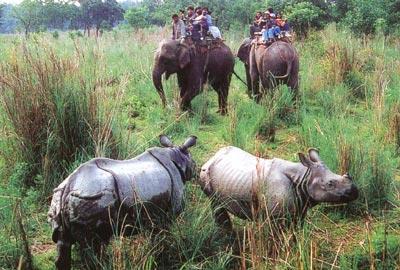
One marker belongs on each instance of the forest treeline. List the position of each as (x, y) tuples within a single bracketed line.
[(362, 16)]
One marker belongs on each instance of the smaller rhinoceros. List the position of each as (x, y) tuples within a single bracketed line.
[(105, 195), (243, 184)]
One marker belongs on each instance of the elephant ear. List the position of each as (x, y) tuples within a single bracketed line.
[(183, 57), (244, 51)]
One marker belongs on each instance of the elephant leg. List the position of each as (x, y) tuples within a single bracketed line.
[(222, 90), (223, 97), (63, 260), (254, 75), (181, 84), (293, 82), (186, 99), (248, 80), (294, 85), (268, 83), (255, 84)]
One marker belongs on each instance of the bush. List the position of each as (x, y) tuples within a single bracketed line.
[(54, 112), (356, 151), (14, 244), (278, 107), (71, 35), (244, 124), (105, 26), (384, 251), (56, 35)]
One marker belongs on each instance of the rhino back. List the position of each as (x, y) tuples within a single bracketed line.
[(239, 179), (88, 195), (141, 179), (100, 183), (234, 173)]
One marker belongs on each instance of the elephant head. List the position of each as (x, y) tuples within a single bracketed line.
[(244, 56), (244, 51), (171, 57)]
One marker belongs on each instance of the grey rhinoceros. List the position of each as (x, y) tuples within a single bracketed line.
[(243, 184), (104, 195)]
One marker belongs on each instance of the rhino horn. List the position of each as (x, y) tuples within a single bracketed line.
[(314, 155), (165, 141), (191, 141)]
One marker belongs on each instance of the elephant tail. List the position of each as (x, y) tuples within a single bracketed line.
[(240, 79), (288, 71)]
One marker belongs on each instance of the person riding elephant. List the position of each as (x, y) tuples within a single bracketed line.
[(274, 64), (194, 65)]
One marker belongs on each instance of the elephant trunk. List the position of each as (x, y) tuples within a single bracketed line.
[(157, 81)]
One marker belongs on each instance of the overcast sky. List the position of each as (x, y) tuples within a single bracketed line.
[(19, 1), (10, 1)]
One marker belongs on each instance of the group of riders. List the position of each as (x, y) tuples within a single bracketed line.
[(270, 27), (197, 24)]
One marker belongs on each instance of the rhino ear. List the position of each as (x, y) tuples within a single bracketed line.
[(191, 141), (305, 160), (165, 141), (314, 155)]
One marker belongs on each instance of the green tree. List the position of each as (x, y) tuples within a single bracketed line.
[(340, 9), (8, 22), (243, 11), (364, 15), (394, 15), (137, 17), (58, 14), (1, 12), (97, 12), (304, 15), (29, 14), (74, 16)]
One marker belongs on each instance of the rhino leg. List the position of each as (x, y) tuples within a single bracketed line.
[(63, 261), (92, 252), (221, 216)]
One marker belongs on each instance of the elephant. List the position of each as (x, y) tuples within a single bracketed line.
[(194, 65), (277, 63)]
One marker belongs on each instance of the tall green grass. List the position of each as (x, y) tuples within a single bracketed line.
[(68, 99), (58, 115)]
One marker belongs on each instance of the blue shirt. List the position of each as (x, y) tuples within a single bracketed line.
[(209, 20)]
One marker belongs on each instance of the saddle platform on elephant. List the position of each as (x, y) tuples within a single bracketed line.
[(209, 42), (285, 37)]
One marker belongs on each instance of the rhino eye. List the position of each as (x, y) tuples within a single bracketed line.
[(330, 184)]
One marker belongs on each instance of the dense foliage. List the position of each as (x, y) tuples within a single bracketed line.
[(362, 16), (35, 15), (1, 11)]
